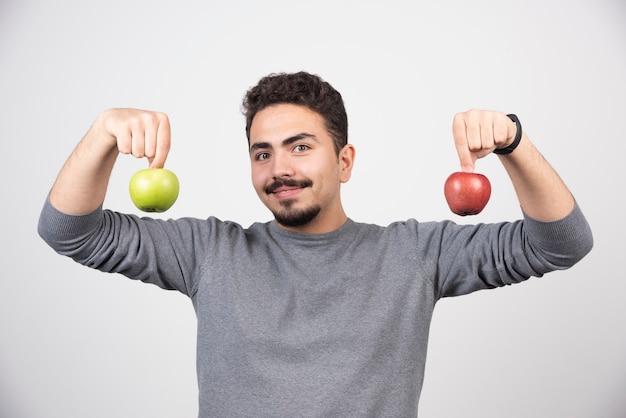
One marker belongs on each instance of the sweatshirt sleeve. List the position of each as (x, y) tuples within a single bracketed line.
[(168, 254), (484, 256), (561, 243)]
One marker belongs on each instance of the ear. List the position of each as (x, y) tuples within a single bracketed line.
[(346, 162)]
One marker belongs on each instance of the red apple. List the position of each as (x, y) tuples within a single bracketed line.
[(467, 193)]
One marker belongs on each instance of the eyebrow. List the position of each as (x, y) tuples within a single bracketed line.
[(266, 145)]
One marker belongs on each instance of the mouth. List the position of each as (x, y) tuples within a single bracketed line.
[(285, 189), (286, 192)]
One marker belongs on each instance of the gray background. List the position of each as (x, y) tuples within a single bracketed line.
[(79, 343)]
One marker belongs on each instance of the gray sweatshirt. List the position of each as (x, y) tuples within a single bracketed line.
[(330, 325)]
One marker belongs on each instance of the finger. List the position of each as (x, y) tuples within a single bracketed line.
[(511, 130), (163, 141), (459, 132), (473, 128), (124, 141), (138, 139), (116, 128), (486, 133), (500, 131), (151, 126)]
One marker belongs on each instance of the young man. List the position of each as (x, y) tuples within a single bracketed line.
[(312, 314)]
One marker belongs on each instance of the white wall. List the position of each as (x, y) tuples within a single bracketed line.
[(79, 343)]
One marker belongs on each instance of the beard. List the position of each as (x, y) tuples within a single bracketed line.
[(287, 215)]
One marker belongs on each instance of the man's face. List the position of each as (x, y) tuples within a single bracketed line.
[(295, 170)]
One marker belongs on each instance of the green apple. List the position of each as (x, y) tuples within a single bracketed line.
[(154, 189)]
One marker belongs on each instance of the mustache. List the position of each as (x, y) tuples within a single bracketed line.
[(287, 183)]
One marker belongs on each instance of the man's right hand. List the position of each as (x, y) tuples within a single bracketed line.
[(138, 132), (82, 182)]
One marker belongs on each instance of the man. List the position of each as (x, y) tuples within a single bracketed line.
[(312, 314)]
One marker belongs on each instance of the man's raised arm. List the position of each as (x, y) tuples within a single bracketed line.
[(541, 192), (81, 184)]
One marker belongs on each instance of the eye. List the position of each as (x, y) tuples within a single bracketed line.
[(261, 156), (301, 148)]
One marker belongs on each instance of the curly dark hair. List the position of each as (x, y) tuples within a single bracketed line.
[(299, 88)]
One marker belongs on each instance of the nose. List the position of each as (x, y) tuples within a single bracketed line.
[(282, 166)]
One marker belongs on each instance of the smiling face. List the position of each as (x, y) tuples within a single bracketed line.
[(295, 170)]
